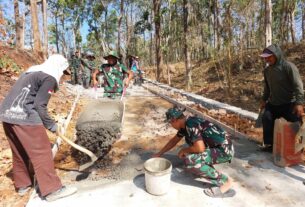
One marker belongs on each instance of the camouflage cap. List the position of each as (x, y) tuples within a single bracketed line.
[(113, 54), (174, 113)]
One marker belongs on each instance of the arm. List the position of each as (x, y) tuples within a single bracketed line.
[(170, 144), (196, 148), (130, 75), (94, 75), (41, 101), (297, 89)]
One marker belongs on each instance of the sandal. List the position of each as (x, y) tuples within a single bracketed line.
[(215, 192), (208, 185)]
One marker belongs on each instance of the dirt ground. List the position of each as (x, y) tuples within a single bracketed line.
[(246, 91)]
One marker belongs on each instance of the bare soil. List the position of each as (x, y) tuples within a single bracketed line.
[(151, 133)]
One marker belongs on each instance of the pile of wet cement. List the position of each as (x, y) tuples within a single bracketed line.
[(97, 128)]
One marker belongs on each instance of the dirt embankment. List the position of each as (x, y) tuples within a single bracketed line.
[(246, 76)]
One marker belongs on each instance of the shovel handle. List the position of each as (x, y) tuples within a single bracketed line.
[(80, 148)]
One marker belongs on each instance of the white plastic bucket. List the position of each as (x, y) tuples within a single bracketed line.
[(157, 175)]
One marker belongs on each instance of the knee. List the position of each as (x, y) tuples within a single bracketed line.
[(267, 117)]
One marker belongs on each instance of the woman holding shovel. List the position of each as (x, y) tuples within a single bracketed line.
[(25, 117)]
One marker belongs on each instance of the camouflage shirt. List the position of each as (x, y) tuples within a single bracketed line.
[(75, 63), (197, 128), (113, 78)]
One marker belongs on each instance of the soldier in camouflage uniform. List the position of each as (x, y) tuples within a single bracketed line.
[(114, 74), (89, 66), (207, 144), (76, 69)]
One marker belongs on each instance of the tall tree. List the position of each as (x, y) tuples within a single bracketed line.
[(35, 26), (120, 26), (268, 22), (303, 19), (45, 28), (157, 20), (187, 57), (19, 25)]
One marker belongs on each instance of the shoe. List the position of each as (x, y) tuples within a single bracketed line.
[(62, 192), (22, 191), (266, 148)]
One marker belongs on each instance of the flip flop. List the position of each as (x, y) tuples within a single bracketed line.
[(215, 192), (207, 185)]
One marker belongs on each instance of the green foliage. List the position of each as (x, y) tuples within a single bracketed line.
[(9, 64)]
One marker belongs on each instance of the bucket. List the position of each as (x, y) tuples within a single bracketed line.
[(284, 143), (157, 175)]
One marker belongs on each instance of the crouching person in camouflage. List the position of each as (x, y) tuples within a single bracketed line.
[(116, 76), (207, 144)]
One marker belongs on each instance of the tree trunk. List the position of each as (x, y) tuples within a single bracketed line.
[(292, 21), (56, 32), (187, 58), (35, 27), (119, 26), (268, 22), (18, 26), (45, 28), (303, 20), (157, 20)]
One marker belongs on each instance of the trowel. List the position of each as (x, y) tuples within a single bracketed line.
[(300, 137)]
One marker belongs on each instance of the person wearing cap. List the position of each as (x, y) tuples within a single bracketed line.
[(76, 68), (283, 94), (116, 76), (207, 144), (89, 67), (25, 118)]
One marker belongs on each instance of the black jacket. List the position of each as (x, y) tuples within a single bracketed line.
[(26, 103)]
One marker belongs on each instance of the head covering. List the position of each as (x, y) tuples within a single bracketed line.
[(55, 66), (174, 113), (266, 53), (113, 54)]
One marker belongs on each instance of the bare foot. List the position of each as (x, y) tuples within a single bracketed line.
[(226, 186)]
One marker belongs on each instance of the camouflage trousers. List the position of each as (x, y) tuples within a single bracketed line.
[(76, 76), (112, 92), (202, 164)]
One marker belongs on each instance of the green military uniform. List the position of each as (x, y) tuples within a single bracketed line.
[(76, 73), (218, 146), (89, 65), (113, 79)]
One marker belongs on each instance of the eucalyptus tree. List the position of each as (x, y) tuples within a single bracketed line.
[(35, 26)]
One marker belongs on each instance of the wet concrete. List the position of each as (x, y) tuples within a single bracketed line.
[(98, 127)]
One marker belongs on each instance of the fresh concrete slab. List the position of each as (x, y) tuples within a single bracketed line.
[(257, 182)]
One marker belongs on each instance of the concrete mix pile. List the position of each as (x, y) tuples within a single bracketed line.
[(98, 127)]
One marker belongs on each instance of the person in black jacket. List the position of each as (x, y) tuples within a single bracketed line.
[(283, 92), (24, 115)]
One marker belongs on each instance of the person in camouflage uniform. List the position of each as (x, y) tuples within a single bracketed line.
[(114, 74), (207, 144), (76, 69), (89, 66)]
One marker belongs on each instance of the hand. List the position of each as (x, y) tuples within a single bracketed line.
[(156, 155), (94, 82), (182, 153), (262, 105), (298, 110), (126, 83)]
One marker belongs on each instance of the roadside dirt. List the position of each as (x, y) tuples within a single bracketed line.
[(145, 129)]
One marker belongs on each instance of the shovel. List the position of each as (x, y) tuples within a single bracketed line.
[(259, 120), (82, 149)]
